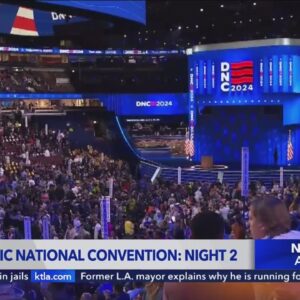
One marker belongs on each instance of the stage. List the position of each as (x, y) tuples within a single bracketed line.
[(267, 175), (183, 162)]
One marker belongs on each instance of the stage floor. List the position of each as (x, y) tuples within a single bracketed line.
[(185, 163)]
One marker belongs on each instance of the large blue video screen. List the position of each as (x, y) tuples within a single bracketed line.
[(247, 74), (19, 20), (134, 10)]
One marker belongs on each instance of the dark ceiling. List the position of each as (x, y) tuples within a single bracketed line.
[(181, 24)]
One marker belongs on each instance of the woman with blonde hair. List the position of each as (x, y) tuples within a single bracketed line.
[(270, 219)]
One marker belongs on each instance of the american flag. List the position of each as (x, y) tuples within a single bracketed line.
[(191, 148), (290, 149), (187, 144)]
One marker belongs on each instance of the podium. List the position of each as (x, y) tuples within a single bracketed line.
[(207, 162)]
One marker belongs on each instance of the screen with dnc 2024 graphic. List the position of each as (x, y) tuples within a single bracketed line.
[(246, 74)]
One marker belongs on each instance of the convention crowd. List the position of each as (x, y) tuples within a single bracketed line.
[(21, 80), (42, 176)]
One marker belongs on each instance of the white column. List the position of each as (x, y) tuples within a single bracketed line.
[(179, 175), (111, 187), (220, 176), (281, 177), (46, 129), (27, 162), (108, 208), (27, 228), (245, 171), (103, 217), (46, 228)]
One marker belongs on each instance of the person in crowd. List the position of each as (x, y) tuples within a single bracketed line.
[(86, 296), (138, 290), (270, 219), (129, 228), (153, 291), (207, 225), (238, 228), (119, 294)]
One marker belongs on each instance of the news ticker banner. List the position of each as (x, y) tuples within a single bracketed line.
[(150, 254), (75, 261), (150, 260), (127, 255), (88, 276), (89, 52)]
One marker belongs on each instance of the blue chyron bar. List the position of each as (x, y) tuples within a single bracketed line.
[(134, 10)]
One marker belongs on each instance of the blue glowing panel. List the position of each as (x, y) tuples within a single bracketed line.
[(225, 130), (134, 10), (152, 104)]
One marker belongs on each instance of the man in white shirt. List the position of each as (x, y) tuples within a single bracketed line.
[(2, 213), (224, 210), (198, 195), (97, 229), (47, 153), (31, 182)]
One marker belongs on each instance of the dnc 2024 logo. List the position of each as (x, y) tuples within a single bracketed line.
[(237, 76)]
